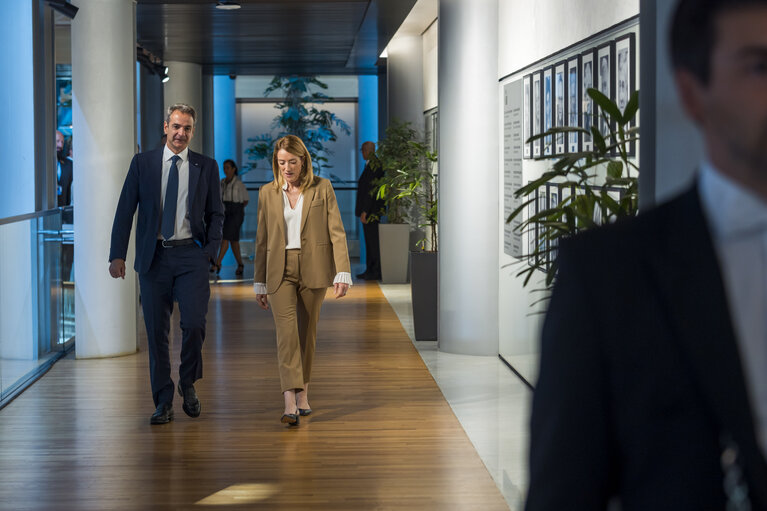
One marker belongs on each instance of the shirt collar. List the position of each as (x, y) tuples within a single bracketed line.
[(731, 209), (167, 154)]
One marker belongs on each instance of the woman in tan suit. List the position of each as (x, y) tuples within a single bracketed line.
[(300, 252)]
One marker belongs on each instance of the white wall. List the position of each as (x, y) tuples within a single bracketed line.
[(528, 32), (532, 30), (404, 74), (430, 59)]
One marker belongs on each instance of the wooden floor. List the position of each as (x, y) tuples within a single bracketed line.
[(381, 437)]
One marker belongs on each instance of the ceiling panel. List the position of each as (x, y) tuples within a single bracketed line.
[(271, 37)]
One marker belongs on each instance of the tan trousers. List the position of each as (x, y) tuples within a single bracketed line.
[(296, 309)]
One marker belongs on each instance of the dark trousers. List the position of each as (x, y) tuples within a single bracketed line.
[(372, 251), (180, 274)]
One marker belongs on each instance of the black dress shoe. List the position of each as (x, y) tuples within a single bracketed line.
[(290, 419), (362, 276), (163, 414), (303, 412), (373, 276), (191, 404)]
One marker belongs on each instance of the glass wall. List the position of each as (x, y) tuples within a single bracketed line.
[(36, 300)]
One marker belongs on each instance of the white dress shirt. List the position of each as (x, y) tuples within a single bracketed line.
[(293, 235), (183, 228), (738, 222)]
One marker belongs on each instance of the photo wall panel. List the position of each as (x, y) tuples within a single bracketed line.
[(552, 93)]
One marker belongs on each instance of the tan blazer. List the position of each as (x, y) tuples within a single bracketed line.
[(323, 239)]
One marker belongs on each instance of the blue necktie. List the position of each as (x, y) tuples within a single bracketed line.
[(171, 198)]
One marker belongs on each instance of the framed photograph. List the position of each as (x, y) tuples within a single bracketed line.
[(548, 109), (553, 193), (573, 109), (605, 79), (588, 108), (625, 70), (532, 229), (560, 110), (541, 242), (527, 105), (537, 112)]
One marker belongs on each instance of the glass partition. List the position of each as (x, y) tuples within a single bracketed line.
[(36, 300)]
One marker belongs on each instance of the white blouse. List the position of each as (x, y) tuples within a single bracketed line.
[(233, 191), (292, 220)]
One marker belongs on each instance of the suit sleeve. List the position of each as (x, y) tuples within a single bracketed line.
[(214, 213), (261, 240), (337, 233), (569, 431), (126, 208)]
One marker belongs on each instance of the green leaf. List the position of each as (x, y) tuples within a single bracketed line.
[(632, 107), (615, 169), (606, 105)]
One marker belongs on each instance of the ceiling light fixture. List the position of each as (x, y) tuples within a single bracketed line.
[(227, 5)]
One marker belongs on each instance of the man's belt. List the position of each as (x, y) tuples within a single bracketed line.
[(175, 243)]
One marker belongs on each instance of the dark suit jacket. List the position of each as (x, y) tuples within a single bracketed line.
[(641, 386), (365, 201), (65, 182), (143, 188)]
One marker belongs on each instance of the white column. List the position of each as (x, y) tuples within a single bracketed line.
[(404, 75), (104, 137), (468, 169), (185, 86)]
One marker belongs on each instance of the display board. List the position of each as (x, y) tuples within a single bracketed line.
[(552, 93), (513, 141)]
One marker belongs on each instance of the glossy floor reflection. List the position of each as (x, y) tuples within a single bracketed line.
[(489, 400)]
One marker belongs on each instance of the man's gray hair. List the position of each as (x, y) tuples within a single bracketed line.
[(184, 109)]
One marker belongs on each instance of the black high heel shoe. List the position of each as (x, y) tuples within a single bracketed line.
[(290, 418), (303, 412), (239, 271)]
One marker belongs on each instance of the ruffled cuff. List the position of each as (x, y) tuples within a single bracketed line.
[(344, 277), (259, 288)]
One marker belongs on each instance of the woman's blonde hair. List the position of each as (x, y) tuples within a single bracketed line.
[(296, 147)]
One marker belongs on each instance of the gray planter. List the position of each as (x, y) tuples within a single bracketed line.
[(394, 241), (423, 287)]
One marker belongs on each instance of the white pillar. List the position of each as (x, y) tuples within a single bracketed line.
[(404, 75), (468, 170), (185, 86), (104, 137)]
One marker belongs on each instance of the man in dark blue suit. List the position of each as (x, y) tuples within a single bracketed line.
[(652, 391), (180, 217)]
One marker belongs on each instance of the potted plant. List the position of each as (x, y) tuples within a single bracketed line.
[(409, 191), (602, 186), (299, 116)]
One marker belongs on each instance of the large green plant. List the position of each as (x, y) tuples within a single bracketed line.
[(300, 116), (603, 184), (408, 186)]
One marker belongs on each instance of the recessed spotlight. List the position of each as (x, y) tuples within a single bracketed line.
[(227, 5)]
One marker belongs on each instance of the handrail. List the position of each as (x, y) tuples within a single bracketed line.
[(28, 216)]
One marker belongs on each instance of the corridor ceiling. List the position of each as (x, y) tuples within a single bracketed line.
[(267, 37)]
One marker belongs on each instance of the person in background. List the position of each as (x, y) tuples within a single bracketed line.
[(300, 252), (235, 198), (652, 390), (366, 206), (63, 172), (178, 232)]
